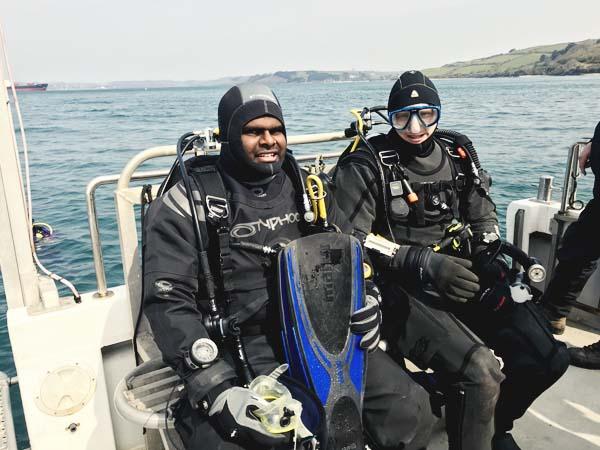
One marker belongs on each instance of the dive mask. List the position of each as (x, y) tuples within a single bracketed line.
[(428, 115)]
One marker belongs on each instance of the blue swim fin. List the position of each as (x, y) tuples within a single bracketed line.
[(321, 284)]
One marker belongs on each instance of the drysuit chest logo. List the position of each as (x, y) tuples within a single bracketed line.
[(163, 286), (246, 230)]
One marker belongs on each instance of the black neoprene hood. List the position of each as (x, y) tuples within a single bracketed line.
[(412, 88), (240, 105)]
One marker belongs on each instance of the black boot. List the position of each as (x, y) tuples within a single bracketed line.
[(587, 357), (504, 442)]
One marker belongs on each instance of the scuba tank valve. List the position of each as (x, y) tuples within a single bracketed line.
[(316, 192)]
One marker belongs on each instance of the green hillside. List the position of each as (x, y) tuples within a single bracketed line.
[(574, 58)]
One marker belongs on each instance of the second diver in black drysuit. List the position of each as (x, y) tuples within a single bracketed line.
[(482, 401)]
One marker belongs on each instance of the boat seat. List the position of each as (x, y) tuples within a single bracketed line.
[(142, 396)]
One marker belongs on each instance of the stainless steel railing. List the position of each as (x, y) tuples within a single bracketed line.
[(90, 193), (8, 440), (571, 173), (569, 191)]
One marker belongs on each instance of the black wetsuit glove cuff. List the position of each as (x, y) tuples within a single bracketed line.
[(412, 261), (216, 391), (203, 381)]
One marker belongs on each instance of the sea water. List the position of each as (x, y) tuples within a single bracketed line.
[(521, 127)]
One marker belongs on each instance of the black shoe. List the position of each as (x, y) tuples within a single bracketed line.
[(587, 357), (504, 442)]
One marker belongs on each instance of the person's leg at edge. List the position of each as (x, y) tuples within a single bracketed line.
[(577, 257), (567, 282)]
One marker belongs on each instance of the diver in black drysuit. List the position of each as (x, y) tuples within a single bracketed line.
[(263, 210), (424, 327)]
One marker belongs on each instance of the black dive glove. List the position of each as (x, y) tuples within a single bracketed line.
[(449, 275), (495, 284), (367, 320), (232, 413)]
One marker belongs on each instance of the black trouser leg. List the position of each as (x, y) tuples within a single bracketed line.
[(567, 282), (580, 248), (396, 413), (533, 358), (433, 338)]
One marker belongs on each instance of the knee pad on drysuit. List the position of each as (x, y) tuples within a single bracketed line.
[(470, 401)]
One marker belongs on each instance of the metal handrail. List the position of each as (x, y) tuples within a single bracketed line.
[(129, 173), (8, 437), (571, 172), (90, 192)]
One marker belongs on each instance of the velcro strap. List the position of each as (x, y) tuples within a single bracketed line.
[(225, 259)]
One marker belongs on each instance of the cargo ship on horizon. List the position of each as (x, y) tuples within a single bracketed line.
[(31, 86)]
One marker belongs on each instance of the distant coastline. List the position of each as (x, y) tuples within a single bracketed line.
[(571, 58), (291, 76)]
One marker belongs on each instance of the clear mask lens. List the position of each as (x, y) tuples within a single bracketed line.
[(427, 116)]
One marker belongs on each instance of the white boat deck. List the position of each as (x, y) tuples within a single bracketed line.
[(567, 416)]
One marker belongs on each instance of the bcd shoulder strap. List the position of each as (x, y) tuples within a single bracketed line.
[(362, 155), (214, 200)]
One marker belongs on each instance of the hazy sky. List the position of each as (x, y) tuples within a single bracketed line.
[(106, 40)]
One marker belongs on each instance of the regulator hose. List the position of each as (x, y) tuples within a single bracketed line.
[(303, 201), (214, 323), (532, 266), (462, 141)]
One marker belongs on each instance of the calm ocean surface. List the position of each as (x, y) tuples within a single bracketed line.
[(522, 129)]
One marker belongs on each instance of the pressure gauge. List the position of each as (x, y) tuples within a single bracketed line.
[(536, 273), (202, 354)]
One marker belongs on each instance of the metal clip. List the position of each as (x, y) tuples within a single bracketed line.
[(460, 181), (217, 207), (389, 158)]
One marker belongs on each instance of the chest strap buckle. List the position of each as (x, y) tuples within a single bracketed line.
[(217, 207), (460, 181), (389, 158)]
